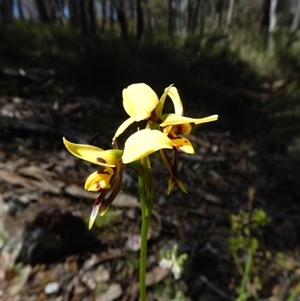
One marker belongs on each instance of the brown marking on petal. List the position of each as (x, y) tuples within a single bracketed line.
[(179, 128), (171, 136), (102, 172), (98, 200), (192, 123), (153, 117), (175, 137), (101, 160), (98, 186)]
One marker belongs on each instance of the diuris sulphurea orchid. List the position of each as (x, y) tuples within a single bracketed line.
[(107, 179), (141, 102), (162, 132)]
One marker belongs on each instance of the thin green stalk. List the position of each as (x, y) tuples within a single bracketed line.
[(145, 183), (242, 293)]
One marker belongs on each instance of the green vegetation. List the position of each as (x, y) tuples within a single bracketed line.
[(249, 259), (254, 264)]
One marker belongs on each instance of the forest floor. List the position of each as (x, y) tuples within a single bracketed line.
[(47, 253)]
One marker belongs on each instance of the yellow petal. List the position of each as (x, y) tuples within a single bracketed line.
[(161, 104), (139, 100), (99, 180), (144, 143), (182, 144), (173, 93), (174, 119), (94, 154), (123, 127)]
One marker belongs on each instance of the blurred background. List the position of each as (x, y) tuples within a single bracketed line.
[(63, 66)]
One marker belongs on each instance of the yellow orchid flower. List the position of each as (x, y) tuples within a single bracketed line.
[(162, 132), (107, 179), (137, 146), (141, 103)]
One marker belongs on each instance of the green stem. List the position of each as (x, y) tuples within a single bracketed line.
[(243, 295), (145, 183)]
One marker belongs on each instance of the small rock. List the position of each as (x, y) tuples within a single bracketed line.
[(133, 243), (93, 277), (51, 288), (101, 274), (214, 149), (114, 292), (156, 275), (89, 281), (89, 263), (130, 213)]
